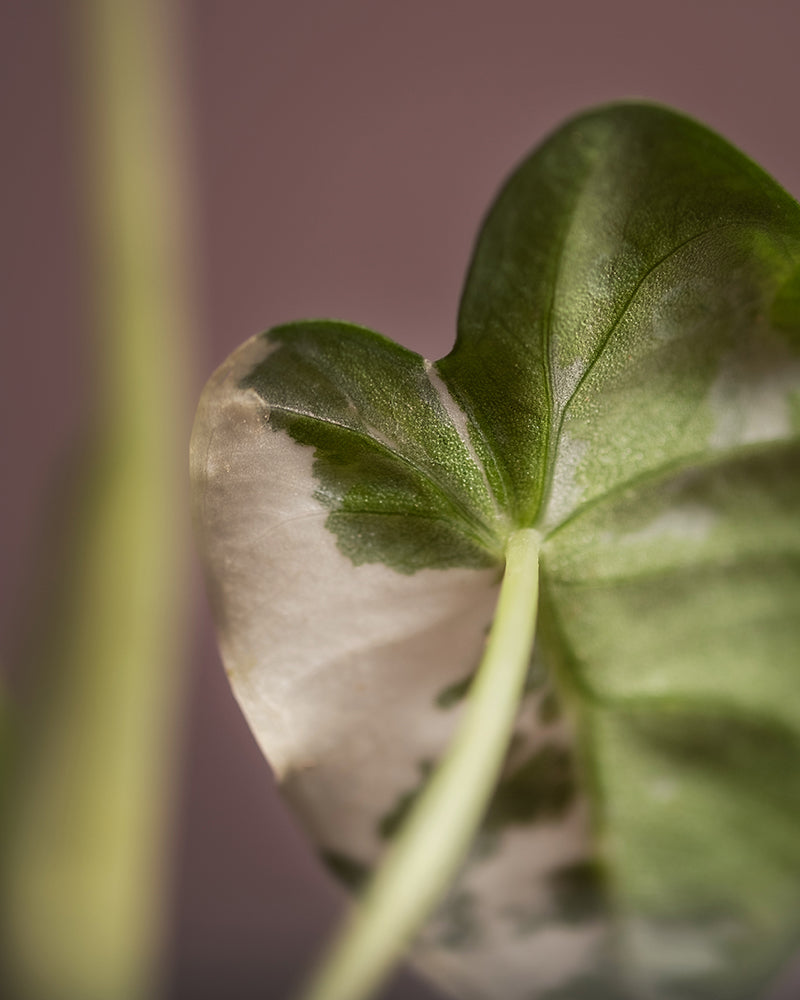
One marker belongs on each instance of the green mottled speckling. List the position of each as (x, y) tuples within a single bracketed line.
[(579, 891), (456, 925), (454, 693), (543, 787), (549, 708), (347, 870), (393, 820)]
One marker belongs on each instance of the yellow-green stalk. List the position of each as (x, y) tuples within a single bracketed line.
[(87, 810)]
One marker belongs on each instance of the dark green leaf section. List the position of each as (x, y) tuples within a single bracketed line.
[(400, 483), (580, 892), (351, 873), (454, 693), (621, 261), (394, 819)]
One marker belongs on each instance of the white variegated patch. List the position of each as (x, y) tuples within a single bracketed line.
[(687, 522), (567, 491), (752, 398)]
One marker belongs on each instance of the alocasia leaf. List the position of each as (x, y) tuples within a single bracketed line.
[(626, 380)]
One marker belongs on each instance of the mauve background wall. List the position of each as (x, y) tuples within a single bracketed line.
[(344, 154)]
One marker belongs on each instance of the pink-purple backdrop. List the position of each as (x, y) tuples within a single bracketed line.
[(344, 154)]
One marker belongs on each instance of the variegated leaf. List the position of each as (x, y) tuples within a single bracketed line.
[(626, 379)]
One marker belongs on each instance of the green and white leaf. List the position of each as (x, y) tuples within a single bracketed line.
[(626, 380)]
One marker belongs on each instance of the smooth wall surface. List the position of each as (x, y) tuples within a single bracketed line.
[(344, 154)]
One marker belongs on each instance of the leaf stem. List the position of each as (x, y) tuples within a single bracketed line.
[(425, 856), (82, 899)]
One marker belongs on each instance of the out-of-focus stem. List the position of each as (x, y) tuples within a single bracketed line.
[(84, 839)]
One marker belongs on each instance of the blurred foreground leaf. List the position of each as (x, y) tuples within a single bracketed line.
[(92, 768)]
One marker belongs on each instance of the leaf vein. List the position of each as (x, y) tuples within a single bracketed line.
[(466, 513), (698, 461)]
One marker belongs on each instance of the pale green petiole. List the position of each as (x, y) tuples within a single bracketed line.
[(90, 793), (427, 852)]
